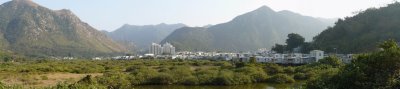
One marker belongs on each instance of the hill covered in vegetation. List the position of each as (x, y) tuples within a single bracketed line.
[(362, 32)]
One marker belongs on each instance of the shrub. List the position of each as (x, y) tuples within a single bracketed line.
[(255, 73), (190, 81), (142, 75), (300, 76), (289, 70), (281, 78), (331, 60), (206, 76), (273, 69), (114, 80), (225, 77), (88, 79), (163, 79), (241, 78), (43, 77)]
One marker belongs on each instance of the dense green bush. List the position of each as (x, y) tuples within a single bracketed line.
[(163, 79), (273, 69), (377, 70), (143, 75), (281, 78), (205, 76), (114, 80), (300, 76), (331, 60), (289, 70), (225, 77), (256, 74)]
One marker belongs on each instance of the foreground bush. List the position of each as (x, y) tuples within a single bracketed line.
[(377, 70), (281, 78)]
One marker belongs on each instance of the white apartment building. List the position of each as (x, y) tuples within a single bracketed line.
[(168, 49), (157, 49)]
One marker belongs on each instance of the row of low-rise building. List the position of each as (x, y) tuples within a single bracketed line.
[(265, 57), (291, 58), (167, 51), (204, 55), (261, 57)]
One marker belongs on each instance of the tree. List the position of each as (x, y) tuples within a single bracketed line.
[(377, 70), (331, 60), (390, 44), (253, 60), (279, 48), (88, 79), (294, 40), (306, 47)]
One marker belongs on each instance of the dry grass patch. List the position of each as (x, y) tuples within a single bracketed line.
[(43, 80)]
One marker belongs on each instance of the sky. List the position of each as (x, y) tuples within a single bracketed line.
[(111, 14)]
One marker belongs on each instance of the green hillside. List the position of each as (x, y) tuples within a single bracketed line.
[(362, 32)]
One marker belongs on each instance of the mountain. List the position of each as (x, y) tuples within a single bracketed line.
[(261, 28), (143, 36), (362, 32), (34, 30), (199, 38)]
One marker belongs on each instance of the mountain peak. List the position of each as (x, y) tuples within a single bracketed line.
[(28, 1), (24, 2), (287, 12), (162, 24), (64, 12), (264, 8), (61, 29)]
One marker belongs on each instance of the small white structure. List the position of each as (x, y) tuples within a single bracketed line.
[(317, 55), (149, 55), (96, 58), (68, 58)]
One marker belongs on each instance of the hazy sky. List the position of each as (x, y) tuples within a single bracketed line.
[(111, 14)]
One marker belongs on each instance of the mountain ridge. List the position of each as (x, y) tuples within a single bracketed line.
[(260, 28), (143, 35), (34, 30), (362, 32)]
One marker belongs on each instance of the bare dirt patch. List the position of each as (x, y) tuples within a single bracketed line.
[(43, 80)]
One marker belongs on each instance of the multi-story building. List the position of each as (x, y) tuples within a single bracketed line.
[(168, 49), (156, 49)]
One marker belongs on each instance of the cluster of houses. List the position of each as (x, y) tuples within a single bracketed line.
[(167, 51), (263, 56), (260, 56), (291, 58)]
